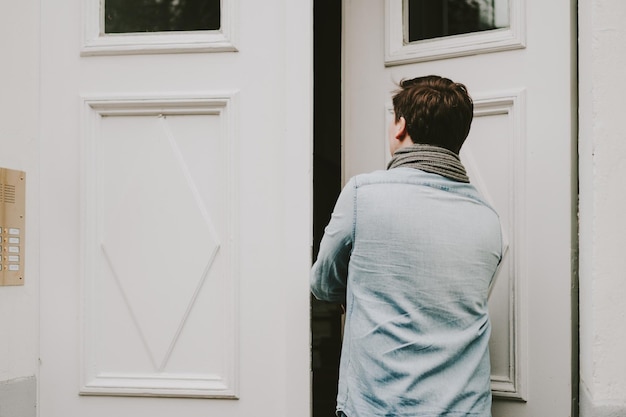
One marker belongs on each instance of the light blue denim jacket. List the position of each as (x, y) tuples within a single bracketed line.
[(412, 255)]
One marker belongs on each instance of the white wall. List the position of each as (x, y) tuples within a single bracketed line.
[(19, 101), (602, 48)]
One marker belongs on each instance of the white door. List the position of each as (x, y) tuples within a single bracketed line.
[(520, 153), (175, 208)]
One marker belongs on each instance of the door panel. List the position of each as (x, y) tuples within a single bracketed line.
[(519, 154), (496, 168), (176, 218), (160, 244)]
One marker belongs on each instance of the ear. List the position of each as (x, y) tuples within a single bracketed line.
[(400, 129)]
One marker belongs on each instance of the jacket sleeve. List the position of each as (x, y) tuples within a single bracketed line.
[(329, 274)]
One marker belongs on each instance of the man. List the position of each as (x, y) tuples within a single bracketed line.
[(411, 253)]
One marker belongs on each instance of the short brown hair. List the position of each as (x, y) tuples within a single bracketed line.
[(437, 111)]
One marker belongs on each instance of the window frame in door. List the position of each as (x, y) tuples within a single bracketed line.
[(398, 51), (96, 42)]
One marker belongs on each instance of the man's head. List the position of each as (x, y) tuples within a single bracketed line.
[(437, 111)]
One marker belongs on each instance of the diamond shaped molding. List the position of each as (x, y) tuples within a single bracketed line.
[(159, 243)]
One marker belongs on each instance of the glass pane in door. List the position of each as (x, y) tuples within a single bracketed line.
[(140, 16), (428, 19)]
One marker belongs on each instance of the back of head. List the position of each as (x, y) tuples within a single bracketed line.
[(437, 111)]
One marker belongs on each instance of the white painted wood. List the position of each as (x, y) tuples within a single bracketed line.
[(19, 133), (602, 151), (176, 221), (166, 152), (502, 181), (519, 153), (398, 51)]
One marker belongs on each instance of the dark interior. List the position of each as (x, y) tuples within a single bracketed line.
[(325, 317)]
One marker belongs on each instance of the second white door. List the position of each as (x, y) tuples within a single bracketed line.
[(517, 62)]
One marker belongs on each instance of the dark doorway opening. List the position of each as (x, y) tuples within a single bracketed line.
[(325, 317)]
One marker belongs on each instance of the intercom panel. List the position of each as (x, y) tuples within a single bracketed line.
[(12, 221)]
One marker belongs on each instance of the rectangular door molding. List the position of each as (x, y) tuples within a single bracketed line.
[(159, 226), (494, 156)]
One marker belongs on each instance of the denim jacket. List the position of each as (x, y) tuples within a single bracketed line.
[(412, 256)]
